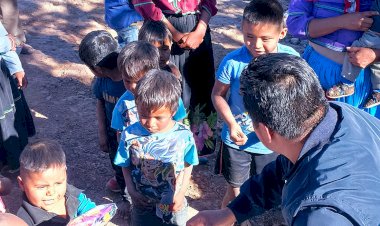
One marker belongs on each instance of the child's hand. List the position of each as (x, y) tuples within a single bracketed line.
[(103, 142), (124, 210), (359, 21), (178, 201), (139, 200), (361, 57), (22, 82), (237, 135)]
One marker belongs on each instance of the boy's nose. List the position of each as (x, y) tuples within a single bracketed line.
[(50, 191), (257, 44)]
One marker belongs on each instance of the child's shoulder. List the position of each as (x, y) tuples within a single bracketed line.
[(236, 57), (239, 54), (281, 48)]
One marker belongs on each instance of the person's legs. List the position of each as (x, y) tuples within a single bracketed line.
[(260, 161), (127, 35), (236, 165), (142, 217)]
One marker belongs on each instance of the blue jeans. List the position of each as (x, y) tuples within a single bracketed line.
[(127, 35)]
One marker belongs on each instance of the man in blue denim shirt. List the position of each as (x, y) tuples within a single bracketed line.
[(328, 170), (122, 17)]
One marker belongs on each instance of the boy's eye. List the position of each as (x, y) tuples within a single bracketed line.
[(41, 187)]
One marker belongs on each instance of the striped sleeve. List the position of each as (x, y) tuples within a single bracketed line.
[(148, 9), (209, 6), (300, 15)]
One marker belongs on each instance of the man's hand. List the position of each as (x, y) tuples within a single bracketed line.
[(237, 135), (22, 82), (361, 57), (223, 217)]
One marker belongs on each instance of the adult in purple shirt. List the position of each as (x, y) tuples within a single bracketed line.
[(331, 26)]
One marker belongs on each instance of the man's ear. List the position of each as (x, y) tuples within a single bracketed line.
[(20, 183), (283, 32), (264, 133)]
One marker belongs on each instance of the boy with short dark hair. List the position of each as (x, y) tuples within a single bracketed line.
[(157, 153), (48, 198), (99, 51), (134, 60), (242, 154)]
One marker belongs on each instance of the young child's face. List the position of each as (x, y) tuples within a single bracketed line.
[(130, 85), (102, 72), (164, 49), (262, 38), (156, 121), (46, 189)]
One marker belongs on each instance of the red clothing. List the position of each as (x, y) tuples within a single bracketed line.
[(155, 9)]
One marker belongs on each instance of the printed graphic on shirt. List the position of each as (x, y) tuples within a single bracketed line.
[(109, 98), (244, 121), (156, 163), (129, 116)]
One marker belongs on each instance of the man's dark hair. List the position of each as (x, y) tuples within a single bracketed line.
[(154, 31), (158, 89), (264, 11), (99, 48), (42, 155), (283, 92), (136, 58)]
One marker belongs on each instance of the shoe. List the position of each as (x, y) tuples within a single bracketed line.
[(373, 100), (112, 185), (340, 90)]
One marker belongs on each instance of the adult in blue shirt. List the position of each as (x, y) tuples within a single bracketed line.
[(328, 170), (121, 16)]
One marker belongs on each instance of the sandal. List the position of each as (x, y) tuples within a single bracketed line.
[(373, 100), (340, 90)]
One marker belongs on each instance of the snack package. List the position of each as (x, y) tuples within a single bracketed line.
[(100, 215)]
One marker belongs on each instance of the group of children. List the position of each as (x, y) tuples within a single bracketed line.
[(140, 111)]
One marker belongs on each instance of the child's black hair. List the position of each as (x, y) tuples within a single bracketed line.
[(264, 11), (154, 31), (136, 58), (42, 155), (99, 48), (158, 89)]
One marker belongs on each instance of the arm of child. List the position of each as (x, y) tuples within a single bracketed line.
[(102, 128), (179, 197), (138, 199), (218, 96)]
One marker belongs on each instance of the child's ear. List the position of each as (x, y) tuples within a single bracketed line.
[(283, 32), (20, 183)]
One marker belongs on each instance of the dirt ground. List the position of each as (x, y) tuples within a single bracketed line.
[(60, 97)]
